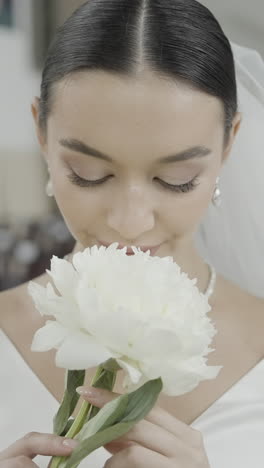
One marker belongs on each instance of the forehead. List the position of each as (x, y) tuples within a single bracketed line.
[(143, 110)]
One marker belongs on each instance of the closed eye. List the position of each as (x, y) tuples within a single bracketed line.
[(187, 187), (182, 188), (77, 180)]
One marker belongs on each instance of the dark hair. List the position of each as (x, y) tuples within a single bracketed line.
[(177, 39)]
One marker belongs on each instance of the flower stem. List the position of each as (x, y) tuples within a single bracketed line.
[(79, 421), (74, 429)]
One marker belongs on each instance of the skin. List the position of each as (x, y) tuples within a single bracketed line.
[(22, 452), (137, 121)]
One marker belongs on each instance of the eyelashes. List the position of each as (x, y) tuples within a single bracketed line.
[(77, 180), (187, 187), (182, 188)]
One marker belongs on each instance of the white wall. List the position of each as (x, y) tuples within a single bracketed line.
[(22, 174), (18, 84)]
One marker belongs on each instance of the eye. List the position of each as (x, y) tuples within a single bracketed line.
[(187, 187), (182, 188), (77, 180)]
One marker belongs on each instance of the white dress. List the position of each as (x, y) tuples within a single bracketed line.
[(232, 428)]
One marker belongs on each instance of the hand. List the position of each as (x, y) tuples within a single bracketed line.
[(21, 453), (158, 441)]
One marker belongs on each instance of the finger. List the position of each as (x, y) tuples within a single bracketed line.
[(18, 462), (97, 396), (186, 433), (158, 416), (138, 457), (35, 443), (155, 439)]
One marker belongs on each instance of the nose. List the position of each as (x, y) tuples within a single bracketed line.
[(131, 214)]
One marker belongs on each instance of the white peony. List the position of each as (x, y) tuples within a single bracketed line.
[(140, 310)]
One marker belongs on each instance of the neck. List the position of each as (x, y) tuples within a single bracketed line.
[(191, 262)]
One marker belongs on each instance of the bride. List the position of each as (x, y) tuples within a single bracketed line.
[(151, 134)]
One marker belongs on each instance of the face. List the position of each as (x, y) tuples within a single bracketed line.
[(107, 145)]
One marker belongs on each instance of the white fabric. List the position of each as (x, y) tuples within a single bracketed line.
[(233, 427), (232, 237), (26, 405)]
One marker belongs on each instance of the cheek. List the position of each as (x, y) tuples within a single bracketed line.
[(81, 208), (185, 212)]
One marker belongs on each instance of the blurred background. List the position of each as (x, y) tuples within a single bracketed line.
[(31, 228)]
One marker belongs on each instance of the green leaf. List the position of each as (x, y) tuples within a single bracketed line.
[(106, 417), (106, 379), (111, 365), (142, 400), (138, 404), (99, 439), (75, 379)]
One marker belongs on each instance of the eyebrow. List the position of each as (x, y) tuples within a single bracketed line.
[(189, 153)]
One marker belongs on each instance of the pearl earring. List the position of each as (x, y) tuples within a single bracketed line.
[(49, 187), (216, 199)]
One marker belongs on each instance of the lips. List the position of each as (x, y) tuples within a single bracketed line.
[(129, 251)]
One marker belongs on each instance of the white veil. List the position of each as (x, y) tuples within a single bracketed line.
[(231, 237)]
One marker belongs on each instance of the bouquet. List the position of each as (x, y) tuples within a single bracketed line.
[(112, 311)]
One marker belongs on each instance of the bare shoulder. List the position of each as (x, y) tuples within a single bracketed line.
[(16, 303), (7, 304), (19, 321), (244, 312), (242, 299)]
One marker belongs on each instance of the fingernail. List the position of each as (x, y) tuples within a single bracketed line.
[(70, 443), (90, 392)]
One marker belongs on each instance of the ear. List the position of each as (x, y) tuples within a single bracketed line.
[(39, 132), (233, 132)]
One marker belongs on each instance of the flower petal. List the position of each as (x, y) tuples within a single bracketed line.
[(156, 343), (181, 378), (64, 275), (97, 319), (141, 310), (81, 351), (49, 336), (134, 373), (43, 297)]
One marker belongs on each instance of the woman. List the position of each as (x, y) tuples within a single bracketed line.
[(138, 113)]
